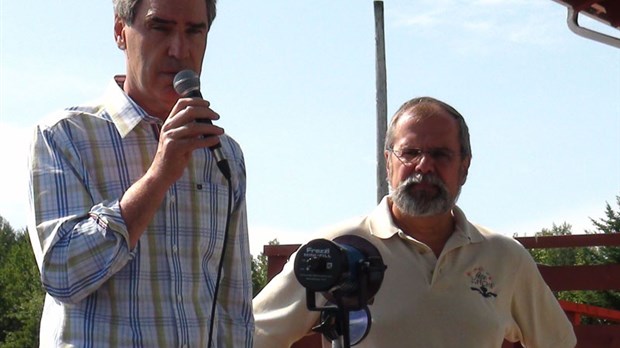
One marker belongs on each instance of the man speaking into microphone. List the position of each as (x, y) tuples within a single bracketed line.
[(140, 237)]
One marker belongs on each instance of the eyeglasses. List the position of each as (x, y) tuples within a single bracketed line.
[(412, 156)]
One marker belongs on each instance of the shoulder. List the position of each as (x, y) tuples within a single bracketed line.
[(234, 154), (352, 226), (498, 242), (377, 224), (72, 115), (232, 146)]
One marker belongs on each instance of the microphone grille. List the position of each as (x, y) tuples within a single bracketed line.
[(186, 81)]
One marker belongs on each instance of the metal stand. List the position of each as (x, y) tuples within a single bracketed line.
[(334, 324), (335, 320)]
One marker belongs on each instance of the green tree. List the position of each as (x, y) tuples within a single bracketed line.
[(608, 225), (585, 256), (259, 270), (558, 256), (21, 295), (608, 254), (563, 257)]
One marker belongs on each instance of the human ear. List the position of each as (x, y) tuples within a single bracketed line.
[(465, 169), (386, 156), (119, 35)]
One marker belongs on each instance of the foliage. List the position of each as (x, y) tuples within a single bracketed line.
[(259, 270), (21, 296), (558, 256), (585, 256), (609, 224)]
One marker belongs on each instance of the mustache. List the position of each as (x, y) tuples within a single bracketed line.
[(419, 178), (422, 202)]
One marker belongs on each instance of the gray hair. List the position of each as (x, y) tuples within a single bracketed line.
[(418, 103), (126, 10)]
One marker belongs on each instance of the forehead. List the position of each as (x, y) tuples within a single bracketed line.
[(179, 11), (437, 129)]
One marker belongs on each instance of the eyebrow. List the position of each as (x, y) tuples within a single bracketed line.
[(151, 18), (427, 149)]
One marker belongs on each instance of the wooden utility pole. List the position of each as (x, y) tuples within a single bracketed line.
[(381, 99)]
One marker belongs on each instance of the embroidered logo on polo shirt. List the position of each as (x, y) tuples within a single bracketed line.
[(482, 282)]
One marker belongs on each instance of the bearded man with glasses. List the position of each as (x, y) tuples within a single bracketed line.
[(448, 282)]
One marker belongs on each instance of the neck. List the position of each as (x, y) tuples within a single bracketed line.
[(433, 231), (156, 110), (151, 105)]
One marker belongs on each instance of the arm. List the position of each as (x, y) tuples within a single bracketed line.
[(87, 213), (78, 238), (280, 312), (537, 312)]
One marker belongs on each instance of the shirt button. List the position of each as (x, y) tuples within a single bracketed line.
[(175, 249), (179, 298)]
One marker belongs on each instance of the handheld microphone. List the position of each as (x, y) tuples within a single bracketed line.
[(187, 84)]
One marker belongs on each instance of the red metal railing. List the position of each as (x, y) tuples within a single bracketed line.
[(559, 278)]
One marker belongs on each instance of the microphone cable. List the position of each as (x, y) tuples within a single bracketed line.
[(187, 84), (223, 254)]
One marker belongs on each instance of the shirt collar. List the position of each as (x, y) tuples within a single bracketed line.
[(464, 228), (382, 224), (124, 112)]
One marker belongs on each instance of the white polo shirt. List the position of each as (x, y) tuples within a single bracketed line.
[(483, 288)]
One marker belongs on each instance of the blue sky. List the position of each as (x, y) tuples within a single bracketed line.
[(294, 83)]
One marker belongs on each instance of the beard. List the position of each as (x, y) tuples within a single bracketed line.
[(422, 202)]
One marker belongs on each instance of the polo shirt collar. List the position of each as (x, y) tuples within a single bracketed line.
[(465, 229), (382, 225)]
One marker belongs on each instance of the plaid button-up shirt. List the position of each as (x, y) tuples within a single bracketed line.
[(101, 293)]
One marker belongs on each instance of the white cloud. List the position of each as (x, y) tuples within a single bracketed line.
[(421, 19), (483, 22), (497, 3), (479, 26)]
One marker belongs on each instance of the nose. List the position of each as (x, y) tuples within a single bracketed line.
[(425, 164), (179, 47)]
